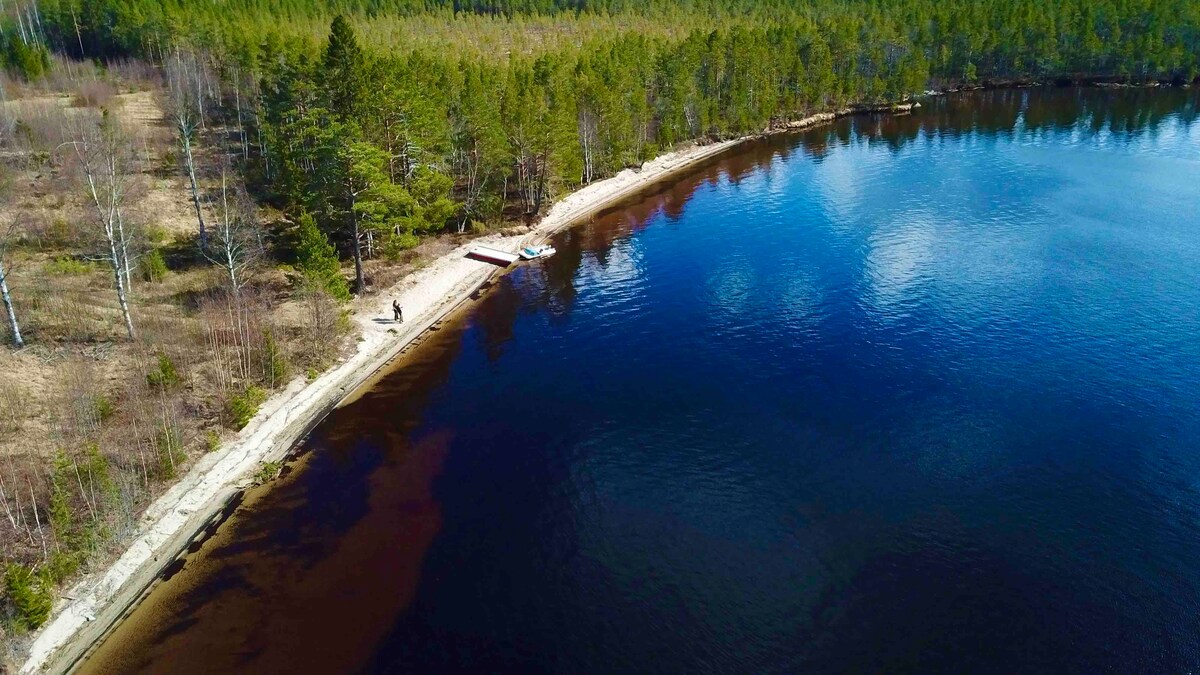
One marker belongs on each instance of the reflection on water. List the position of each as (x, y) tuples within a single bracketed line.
[(900, 393)]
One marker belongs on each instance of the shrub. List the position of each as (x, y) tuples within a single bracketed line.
[(153, 266), (52, 233), (396, 245), (169, 447), (79, 537), (94, 94), (105, 408), (62, 565), (30, 596), (96, 472), (267, 472), (66, 266), (157, 235), (61, 519), (244, 406), (164, 375), (212, 440), (275, 365), (325, 323)]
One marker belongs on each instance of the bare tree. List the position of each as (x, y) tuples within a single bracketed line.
[(185, 85), (105, 156), (235, 242)]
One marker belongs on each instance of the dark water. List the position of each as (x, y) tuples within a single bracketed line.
[(902, 394)]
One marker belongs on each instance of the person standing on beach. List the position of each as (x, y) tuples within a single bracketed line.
[(397, 314)]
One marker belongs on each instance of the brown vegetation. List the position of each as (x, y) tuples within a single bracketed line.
[(99, 412)]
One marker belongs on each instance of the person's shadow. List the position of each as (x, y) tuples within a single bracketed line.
[(384, 322)]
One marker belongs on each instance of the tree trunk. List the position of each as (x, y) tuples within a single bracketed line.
[(237, 96), (541, 185), (231, 267), (18, 341), (123, 243), (122, 297), (360, 282), (191, 169)]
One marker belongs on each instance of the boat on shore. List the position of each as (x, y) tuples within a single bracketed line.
[(492, 255), (541, 251)]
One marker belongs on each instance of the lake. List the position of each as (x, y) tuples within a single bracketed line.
[(912, 393)]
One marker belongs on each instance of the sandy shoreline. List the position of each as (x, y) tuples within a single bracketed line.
[(99, 601)]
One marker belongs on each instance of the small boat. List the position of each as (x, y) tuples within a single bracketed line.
[(542, 251), (492, 255)]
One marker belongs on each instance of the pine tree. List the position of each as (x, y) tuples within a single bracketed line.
[(317, 259), (342, 70)]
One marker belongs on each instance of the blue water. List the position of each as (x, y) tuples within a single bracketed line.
[(905, 394)]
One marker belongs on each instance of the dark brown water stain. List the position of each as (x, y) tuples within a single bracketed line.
[(209, 612)]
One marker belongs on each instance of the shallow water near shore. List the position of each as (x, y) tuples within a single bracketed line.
[(905, 393)]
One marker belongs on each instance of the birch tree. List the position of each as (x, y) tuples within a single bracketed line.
[(6, 234), (185, 86), (235, 242), (104, 159)]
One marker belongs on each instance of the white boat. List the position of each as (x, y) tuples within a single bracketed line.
[(492, 255), (542, 251)]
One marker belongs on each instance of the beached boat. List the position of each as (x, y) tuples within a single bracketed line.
[(531, 252), (492, 255)]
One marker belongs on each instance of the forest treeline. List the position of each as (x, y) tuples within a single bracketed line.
[(383, 141), (416, 116)]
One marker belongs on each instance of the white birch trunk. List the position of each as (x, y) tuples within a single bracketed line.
[(15, 327), (186, 139)]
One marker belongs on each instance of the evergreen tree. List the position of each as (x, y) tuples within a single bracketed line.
[(342, 70), (317, 259)]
